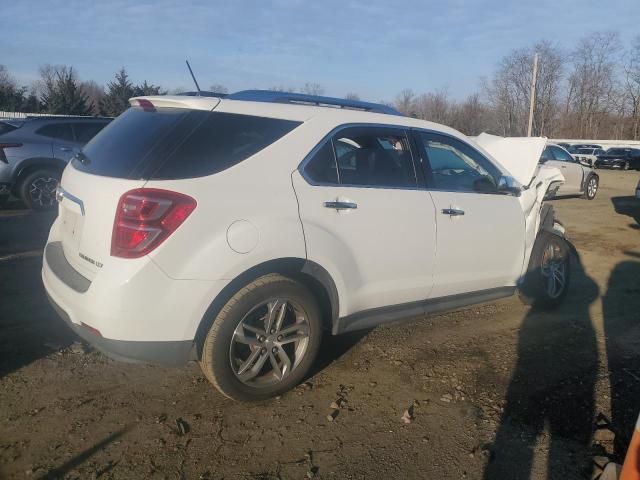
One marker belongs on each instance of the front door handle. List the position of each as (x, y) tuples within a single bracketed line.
[(341, 205), (64, 148), (453, 212)]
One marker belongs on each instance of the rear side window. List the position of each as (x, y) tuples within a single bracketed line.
[(6, 127), (86, 131), (173, 143), (59, 131), (364, 157)]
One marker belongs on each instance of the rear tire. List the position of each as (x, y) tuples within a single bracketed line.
[(625, 166), (591, 187), (38, 189), (250, 352), (546, 282)]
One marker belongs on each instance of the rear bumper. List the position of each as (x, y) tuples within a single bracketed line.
[(162, 353), (136, 315)]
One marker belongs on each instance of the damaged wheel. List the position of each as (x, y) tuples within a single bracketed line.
[(546, 282)]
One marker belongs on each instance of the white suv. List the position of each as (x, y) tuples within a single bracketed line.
[(235, 231)]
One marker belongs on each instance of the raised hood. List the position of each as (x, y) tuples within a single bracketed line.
[(518, 155)]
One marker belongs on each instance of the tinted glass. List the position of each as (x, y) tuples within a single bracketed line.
[(172, 143), (322, 166), (60, 131), (86, 131), (456, 166), (618, 151), (374, 157), (560, 155), (546, 155), (5, 128)]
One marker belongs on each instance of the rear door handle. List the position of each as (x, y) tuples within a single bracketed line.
[(453, 212), (341, 205)]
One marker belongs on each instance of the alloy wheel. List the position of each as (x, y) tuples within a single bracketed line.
[(42, 191), (592, 188), (554, 270), (269, 342)]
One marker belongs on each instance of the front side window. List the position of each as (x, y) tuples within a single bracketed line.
[(364, 157), (560, 155), (452, 165)]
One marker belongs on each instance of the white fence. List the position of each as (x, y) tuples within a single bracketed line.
[(5, 115), (605, 143)]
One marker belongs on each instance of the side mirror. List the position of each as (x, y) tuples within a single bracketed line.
[(509, 186)]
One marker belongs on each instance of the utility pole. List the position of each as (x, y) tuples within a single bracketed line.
[(533, 93)]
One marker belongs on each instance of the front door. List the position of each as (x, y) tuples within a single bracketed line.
[(480, 232), (364, 219)]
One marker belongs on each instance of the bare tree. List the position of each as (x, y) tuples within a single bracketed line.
[(94, 94), (312, 89), (406, 102), (352, 96), (434, 106), (509, 91), (632, 86), (282, 88), (592, 84), (218, 88)]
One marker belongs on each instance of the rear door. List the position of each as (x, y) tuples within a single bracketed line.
[(480, 232), (364, 218)]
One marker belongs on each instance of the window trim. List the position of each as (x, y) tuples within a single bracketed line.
[(329, 138), (423, 161)]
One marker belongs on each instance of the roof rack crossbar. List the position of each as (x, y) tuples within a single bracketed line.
[(304, 99)]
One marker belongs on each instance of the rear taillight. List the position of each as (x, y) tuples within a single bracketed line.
[(3, 157), (145, 218)]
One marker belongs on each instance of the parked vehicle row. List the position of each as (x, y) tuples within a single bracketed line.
[(579, 179), (237, 231), (35, 151)]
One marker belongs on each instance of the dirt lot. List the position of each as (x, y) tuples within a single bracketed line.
[(498, 391)]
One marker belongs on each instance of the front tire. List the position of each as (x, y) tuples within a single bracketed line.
[(546, 282), (38, 189), (264, 341), (625, 166), (591, 187)]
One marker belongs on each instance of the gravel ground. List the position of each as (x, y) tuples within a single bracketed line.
[(494, 391)]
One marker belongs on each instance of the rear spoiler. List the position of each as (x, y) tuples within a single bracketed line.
[(175, 101)]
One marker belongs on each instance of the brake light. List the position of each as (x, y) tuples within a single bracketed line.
[(3, 157), (146, 105), (145, 218)]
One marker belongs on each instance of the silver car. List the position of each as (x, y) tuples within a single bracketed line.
[(34, 151), (579, 179)]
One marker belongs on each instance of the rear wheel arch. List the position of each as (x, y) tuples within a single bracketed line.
[(310, 274), (30, 165)]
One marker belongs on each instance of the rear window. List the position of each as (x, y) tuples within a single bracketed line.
[(173, 143)]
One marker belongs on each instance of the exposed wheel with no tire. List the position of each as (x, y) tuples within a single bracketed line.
[(38, 189), (264, 340), (546, 282)]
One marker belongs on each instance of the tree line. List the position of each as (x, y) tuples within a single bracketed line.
[(589, 91)]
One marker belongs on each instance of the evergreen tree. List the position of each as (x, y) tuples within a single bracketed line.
[(63, 95), (147, 89), (118, 94)]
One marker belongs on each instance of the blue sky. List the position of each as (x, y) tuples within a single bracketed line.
[(375, 48)]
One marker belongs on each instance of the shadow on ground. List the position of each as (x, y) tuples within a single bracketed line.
[(550, 398)]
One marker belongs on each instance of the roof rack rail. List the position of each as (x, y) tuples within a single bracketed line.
[(202, 93), (304, 99)]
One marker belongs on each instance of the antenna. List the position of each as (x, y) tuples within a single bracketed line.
[(193, 76)]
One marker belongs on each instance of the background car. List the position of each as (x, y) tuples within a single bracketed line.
[(587, 156), (579, 179), (623, 158), (34, 151)]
